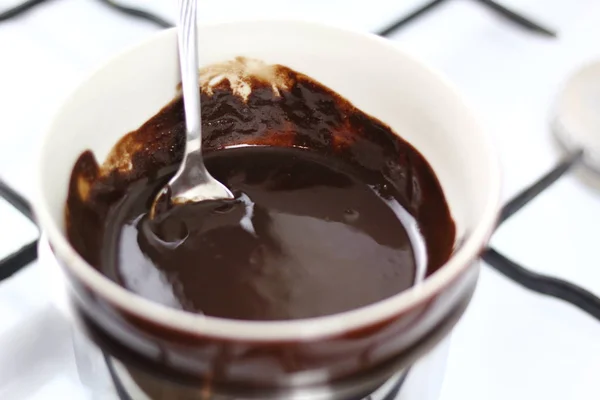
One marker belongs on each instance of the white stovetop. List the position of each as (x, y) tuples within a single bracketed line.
[(511, 344)]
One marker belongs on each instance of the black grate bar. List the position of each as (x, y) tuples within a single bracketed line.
[(16, 200), (410, 17), (20, 9), (518, 19), (544, 284), (119, 387), (138, 13), (501, 10), (530, 193), (18, 260)]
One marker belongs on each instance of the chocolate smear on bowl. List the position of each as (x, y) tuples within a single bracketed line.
[(333, 210)]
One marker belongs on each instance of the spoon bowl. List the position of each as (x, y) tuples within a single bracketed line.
[(192, 182)]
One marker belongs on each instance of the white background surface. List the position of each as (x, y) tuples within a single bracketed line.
[(511, 344)]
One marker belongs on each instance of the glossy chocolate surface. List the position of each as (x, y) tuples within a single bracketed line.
[(305, 237), (354, 166)]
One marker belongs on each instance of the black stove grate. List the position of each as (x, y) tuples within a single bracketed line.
[(123, 395), (492, 5)]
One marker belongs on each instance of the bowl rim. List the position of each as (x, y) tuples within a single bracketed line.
[(270, 331)]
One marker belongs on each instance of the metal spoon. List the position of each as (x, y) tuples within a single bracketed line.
[(192, 182)]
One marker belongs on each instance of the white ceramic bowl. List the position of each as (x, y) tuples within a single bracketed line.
[(378, 78)]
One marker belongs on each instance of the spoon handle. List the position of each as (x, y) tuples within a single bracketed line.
[(188, 63)]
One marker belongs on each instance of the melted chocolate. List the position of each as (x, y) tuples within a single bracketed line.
[(325, 195), (305, 238)]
